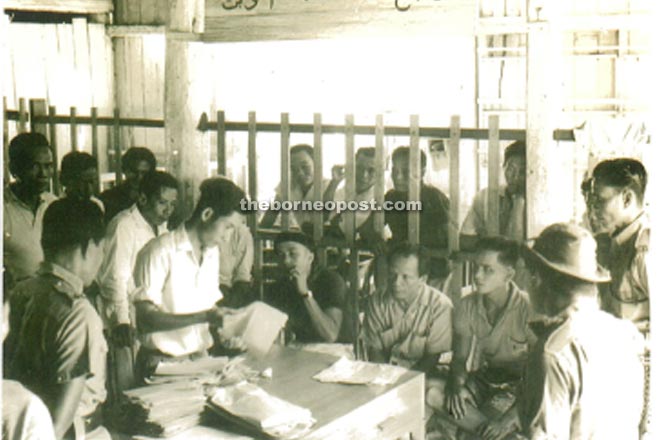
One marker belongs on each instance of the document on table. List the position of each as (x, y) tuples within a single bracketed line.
[(360, 373), (257, 324), (202, 365)]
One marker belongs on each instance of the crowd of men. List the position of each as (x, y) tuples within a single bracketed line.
[(99, 288)]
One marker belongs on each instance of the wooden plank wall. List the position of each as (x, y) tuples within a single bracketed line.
[(143, 12), (66, 64), (62, 6)]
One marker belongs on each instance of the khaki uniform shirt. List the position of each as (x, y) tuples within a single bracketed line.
[(405, 335), (236, 257)]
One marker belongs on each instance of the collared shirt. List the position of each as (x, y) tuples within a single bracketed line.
[(301, 216), (168, 274), (328, 289), (236, 257), (585, 378), (24, 415), (60, 338), (476, 221), (115, 200), (433, 218), (503, 344), (627, 295), (22, 234), (406, 335), (126, 235), (361, 216)]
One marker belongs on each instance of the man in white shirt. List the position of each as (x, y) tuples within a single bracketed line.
[(177, 280), (126, 235)]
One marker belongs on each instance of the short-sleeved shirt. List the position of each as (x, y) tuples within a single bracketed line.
[(584, 379), (24, 415), (300, 216), (168, 274), (406, 335), (433, 218), (115, 200), (126, 235), (22, 251), (236, 257), (60, 338), (328, 289), (627, 295), (476, 221), (504, 344)]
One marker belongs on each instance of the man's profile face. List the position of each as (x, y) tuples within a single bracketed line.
[(365, 173), (515, 171), (605, 208), (403, 278), (160, 208), (214, 232), (302, 169), (491, 275), (39, 172), (136, 172)]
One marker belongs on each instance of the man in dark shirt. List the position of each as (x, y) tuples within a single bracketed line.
[(135, 163), (434, 216), (312, 297)]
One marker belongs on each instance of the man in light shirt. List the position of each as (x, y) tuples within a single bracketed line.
[(126, 235), (177, 280), (79, 175), (236, 260)]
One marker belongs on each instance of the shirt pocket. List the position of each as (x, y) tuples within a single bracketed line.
[(518, 346)]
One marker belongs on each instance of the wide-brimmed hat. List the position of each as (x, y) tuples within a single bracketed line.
[(571, 250)]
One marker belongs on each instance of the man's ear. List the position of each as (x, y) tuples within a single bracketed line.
[(628, 197), (206, 215), (142, 199)]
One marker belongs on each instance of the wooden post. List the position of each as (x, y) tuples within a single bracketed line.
[(454, 181), (318, 177), (38, 108), (186, 97), (22, 116), (221, 143), (285, 170), (5, 141), (116, 140), (381, 166), (253, 193), (493, 216), (52, 132), (545, 177), (94, 113), (73, 129), (349, 188), (414, 179)]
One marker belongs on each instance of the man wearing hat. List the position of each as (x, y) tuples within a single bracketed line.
[(312, 297), (585, 375)]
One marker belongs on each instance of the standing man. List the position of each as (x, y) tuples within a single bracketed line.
[(176, 276), (61, 352), (511, 200), (79, 175), (25, 202), (236, 260), (585, 375), (135, 163), (126, 235), (410, 324)]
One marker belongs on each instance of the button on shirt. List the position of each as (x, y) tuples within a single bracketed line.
[(584, 379), (236, 257), (476, 221), (406, 335), (60, 338), (503, 343), (22, 252), (126, 235), (168, 274)]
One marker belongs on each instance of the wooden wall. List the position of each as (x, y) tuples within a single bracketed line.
[(142, 12)]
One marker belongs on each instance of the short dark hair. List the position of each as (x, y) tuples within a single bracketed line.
[(135, 155), (403, 152), (366, 151), (221, 195), (518, 148), (74, 163), (405, 249), (296, 237), (622, 173), (22, 149), (69, 223), (304, 148), (154, 181), (508, 251)]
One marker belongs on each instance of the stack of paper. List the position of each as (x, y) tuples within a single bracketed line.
[(252, 406), (257, 325), (360, 373)]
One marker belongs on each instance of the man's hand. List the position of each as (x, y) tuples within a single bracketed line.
[(299, 278), (497, 429), (123, 335), (338, 172), (457, 398), (216, 315)]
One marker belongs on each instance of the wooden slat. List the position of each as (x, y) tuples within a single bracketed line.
[(493, 205), (52, 131), (22, 116), (379, 186), (414, 179), (73, 130), (221, 143), (252, 166), (355, 295), (285, 169), (349, 188), (5, 141), (81, 62), (318, 177), (95, 142), (61, 6), (116, 139), (38, 107), (454, 182)]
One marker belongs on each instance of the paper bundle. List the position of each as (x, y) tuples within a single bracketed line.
[(254, 407), (257, 324), (360, 373)]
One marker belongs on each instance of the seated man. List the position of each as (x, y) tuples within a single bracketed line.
[(313, 297), (491, 340), (176, 276), (236, 260), (25, 202), (135, 163), (126, 235), (79, 175), (511, 202), (61, 351), (410, 323)]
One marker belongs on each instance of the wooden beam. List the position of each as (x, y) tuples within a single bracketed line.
[(285, 170), (120, 31), (493, 216), (349, 182), (454, 182), (414, 179), (61, 6)]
